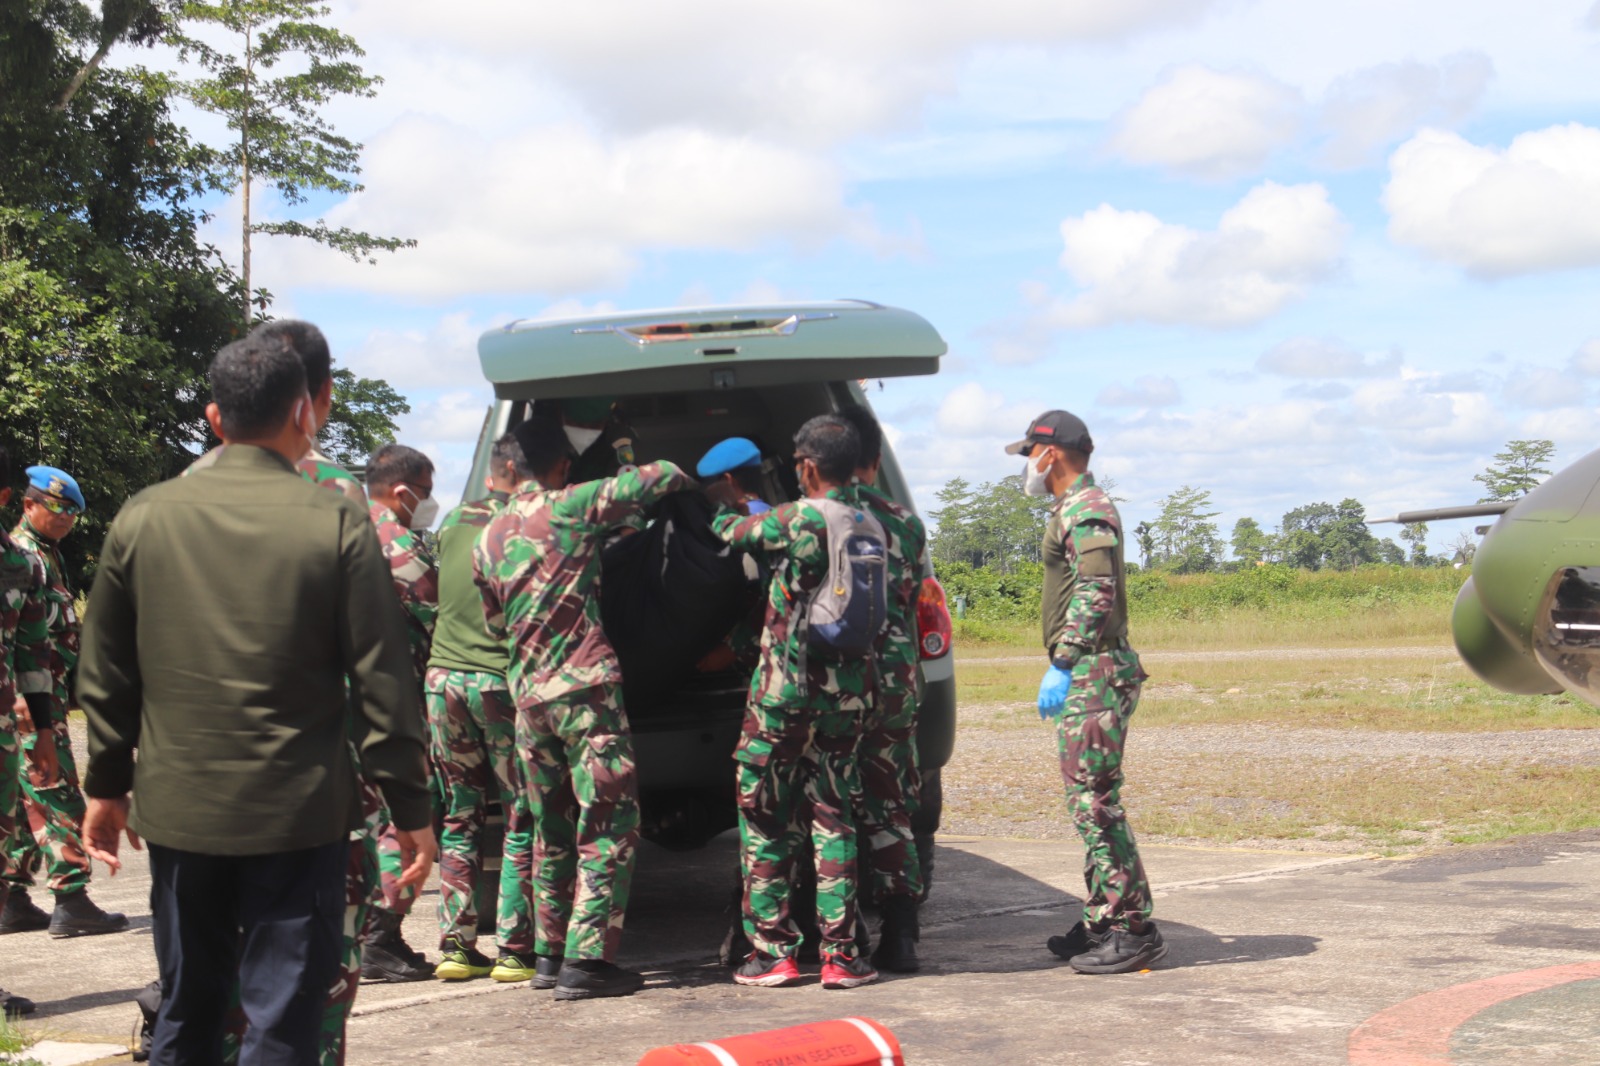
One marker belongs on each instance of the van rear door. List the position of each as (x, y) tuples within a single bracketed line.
[(712, 348)]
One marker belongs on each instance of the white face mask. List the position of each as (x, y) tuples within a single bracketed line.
[(305, 420), (424, 514), (1035, 482), (582, 438)]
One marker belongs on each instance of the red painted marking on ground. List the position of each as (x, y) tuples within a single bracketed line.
[(1417, 1032)]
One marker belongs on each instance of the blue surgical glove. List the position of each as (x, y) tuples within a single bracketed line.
[(1053, 692)]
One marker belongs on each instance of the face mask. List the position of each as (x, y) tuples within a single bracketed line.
[(424, 513), (582, 438), (305, 420), (1035, 482)]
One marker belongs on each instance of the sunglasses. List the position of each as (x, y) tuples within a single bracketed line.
[(59, 506)]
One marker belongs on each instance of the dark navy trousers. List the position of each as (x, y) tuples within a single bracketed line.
[(273, 923)]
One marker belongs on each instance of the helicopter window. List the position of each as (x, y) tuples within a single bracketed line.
[(1567, 636)]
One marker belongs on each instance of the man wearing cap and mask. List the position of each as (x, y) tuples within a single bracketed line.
[(602, 441), (1090, 688), (400, 486), (52, 839)]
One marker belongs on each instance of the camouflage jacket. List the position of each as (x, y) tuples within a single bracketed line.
[(908, 539), (794, 537), (61, 609), (416, 580), (24, 626), (537, 568), (1085, 606)]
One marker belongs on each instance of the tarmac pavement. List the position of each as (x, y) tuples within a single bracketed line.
[(1474, 956)]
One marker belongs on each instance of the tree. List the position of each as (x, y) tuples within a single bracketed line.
[(1145, 534), (1250, 542), (1466, 548), (280, 138), (361, 419), (1516, 471), (1416, 534), (110, 308), (1391, 553), (1187, 540), (1321, 535)]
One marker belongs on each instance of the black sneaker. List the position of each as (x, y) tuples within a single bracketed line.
[(1124, 952), (765, 971), (14, 1006), (1079, 939), (21, 914), (77, 915), (594, 979)]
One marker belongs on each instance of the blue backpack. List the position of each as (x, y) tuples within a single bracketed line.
[(848, 610)]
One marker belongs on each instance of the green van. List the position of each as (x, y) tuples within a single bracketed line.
[(686, 379)]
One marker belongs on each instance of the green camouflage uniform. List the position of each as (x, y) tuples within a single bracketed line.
[(796, 756), (361, 875), (24, 669), (538, 570), (416, 582), (473, 737), (51, 837), (1086, 625), (890, 783)]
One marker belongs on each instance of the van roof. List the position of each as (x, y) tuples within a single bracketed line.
[(707, 347)]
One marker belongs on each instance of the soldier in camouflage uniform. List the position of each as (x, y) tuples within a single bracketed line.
[(361, 876), (538, 569), (887, 759), (25, 673), (400, 485), (51, 839), (1091, 688), (472, 729), (796, 757)]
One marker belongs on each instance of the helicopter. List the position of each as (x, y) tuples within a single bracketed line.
[(1528, 619)]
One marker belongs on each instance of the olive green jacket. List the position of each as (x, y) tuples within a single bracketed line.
[(229, 608)]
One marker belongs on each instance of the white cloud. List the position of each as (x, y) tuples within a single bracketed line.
[(1209, 123), (970, 411), (823, 74), (1150, 391), (1586, 360), (445, 354), (1592, 19), (1542, 388), (561, 209), (1306, 357), (1372, 108), (1534, 206), (1265, 252), (451, 418)]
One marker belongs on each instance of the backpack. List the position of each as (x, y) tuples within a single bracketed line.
[(849, 609)]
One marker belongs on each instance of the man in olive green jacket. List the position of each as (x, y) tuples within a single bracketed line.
[(228, 610)]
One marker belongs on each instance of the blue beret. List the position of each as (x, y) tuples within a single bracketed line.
[(57, 483), (731, 454)]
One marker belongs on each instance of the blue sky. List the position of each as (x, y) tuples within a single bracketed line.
[(1281, 251)]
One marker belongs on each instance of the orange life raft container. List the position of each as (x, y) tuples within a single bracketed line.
[(845, 1042)]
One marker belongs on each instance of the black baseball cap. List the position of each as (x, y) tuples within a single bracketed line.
[(1061, 428)]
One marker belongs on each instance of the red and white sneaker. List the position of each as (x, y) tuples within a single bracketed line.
[(764, 971), (841, 972)]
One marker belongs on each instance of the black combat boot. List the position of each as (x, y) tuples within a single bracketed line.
[(1122, 951), (897, 936), (77, 915), (385, 955), (594, 979), (21, 914)]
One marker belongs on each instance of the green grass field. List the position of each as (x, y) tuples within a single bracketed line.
[(1340, 685)]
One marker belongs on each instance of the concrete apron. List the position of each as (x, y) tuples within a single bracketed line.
[(1275, 956)]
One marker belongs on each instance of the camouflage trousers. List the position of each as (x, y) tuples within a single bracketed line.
[(791, 784), (582, 798), (472, 731), (10, 790), (49, 823), (1090, 735), (889, 786)]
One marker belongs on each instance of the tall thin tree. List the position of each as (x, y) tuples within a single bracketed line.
[(284, 67)]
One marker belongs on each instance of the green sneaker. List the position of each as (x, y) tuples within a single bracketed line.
[(510, 968), (462, 962)]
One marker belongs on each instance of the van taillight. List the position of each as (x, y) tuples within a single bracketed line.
[(933, 620)]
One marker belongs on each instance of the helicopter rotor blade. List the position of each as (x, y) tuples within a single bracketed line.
[(1443, 514)]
